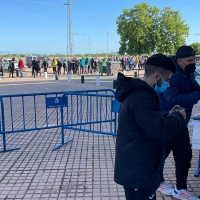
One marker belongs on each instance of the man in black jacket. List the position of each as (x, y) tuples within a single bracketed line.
[(34, 67), (143, 129), (12, 67), (1, 66), (184, 91), (45, 65)]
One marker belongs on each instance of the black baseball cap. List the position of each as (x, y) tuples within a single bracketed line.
[(185, 51)]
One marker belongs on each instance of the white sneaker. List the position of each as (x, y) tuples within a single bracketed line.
[(183, 195), (165, 188)]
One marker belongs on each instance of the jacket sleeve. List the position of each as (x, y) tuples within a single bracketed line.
[(151, 120), (173, 96)]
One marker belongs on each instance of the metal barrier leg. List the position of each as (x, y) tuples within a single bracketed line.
[(196, 174), (62, 130), (60, 145), (63, 138), (4, 145), (3, 130)]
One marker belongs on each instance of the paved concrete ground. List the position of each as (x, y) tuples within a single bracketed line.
[(81, 170)]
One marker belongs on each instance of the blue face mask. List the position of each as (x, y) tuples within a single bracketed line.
[(161, 88)]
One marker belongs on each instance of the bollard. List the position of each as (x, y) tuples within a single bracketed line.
[(69, 77), (135, 74), (114, 84), (45, 75), (97, 81), (56, 76), (34, 74), (17, 73), (82, 79)]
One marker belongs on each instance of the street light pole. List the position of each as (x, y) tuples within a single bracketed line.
[(107, 45), (89, 46)]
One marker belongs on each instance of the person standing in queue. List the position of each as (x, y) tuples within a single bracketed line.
[(12, 67), (34, 67), (45, 65), (185, 91), (1, 66), (54, 65), (59, 67), (21, 67)]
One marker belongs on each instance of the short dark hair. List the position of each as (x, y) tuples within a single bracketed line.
[(159, 63)]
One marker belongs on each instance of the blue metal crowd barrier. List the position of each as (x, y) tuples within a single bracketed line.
[(89, 112), (31, 112), (27, 112)]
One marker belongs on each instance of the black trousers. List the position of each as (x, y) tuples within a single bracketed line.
[(59, 70), (34, 71), (1, 70), (138, 194), (11, 73), (182, 152), (54, 70)]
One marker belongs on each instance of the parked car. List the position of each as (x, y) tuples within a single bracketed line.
[(42, 57), (198, 60), (29, 60), (7, 65)]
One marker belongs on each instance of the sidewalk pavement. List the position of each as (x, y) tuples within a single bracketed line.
[(81, 170)]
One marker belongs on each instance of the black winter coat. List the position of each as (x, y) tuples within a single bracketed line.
[(142, 132)]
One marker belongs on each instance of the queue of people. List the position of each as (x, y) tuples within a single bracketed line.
[(11, 67), (85, 65)]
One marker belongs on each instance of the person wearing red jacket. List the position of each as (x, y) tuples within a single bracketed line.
[(21, 67)]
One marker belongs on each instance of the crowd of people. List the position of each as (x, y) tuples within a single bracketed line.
[(11, 67), (87, 65)]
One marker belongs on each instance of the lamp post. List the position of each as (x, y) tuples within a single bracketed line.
[(89, 46), (107, 45)]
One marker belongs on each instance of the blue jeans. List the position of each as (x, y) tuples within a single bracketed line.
[(21, 72)]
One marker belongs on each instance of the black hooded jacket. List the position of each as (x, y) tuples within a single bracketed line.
[(142, 132)]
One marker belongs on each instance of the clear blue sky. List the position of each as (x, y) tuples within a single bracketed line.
[(41, 27)]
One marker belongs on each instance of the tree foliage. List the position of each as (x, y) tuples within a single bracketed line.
[(196, 47), (144, 29)]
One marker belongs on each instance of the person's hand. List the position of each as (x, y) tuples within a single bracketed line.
[(182, 111), (174, 109)]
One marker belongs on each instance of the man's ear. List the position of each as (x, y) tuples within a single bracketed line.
[(178, 61), (157, 75)]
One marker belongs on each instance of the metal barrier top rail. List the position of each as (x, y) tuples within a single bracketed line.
[(52, 93)]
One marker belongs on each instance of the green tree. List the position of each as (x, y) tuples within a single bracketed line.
[(196, 47), (144, 29)]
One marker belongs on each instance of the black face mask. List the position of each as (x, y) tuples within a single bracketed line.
[(190, 68)]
